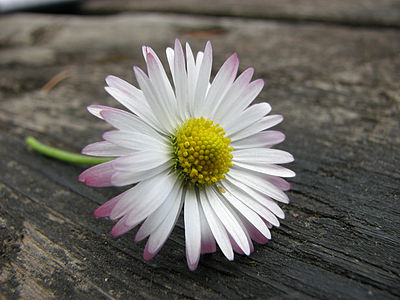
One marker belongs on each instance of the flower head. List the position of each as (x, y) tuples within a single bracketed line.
[(197, 145)]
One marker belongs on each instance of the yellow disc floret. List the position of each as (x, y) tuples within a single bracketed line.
[(202, 151)]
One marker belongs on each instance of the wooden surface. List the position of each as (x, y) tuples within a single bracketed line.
[(338, 87)]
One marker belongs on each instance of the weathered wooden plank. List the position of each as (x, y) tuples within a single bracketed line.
[(356, 12), (338, 88)]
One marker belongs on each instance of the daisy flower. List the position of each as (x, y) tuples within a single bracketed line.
[(195, 146)]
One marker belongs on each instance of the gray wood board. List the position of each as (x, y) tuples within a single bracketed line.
[(338, 88), (354, 13)]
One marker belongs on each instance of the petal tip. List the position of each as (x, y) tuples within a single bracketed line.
[(147, 255), (109, 78), (81, 177), (115, 232), (192, 267), (97, 213)]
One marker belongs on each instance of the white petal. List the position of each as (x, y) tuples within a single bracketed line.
[(203, 79), (248, 117), (159, 215), (144, 198), (241, 221), (259, 184), (105, 209), (242, 192), (170, 57), (263, 124), (121, 178), (97, 109), (136, 141), (192, 228), (140, 161), (280, 183), (273, 170), (161, 234), (249, 201), (105, 148), (255, 235), (230, 222), (199, 60), (247, 213), (121, 227), (216, 227), (159, 107), (180, 81), (126, 121), (221, 83), (99, 175), (126, 198), (232, 96), (207, 239), (192, 77), (262, 156), (251, 92), (132, 98), (245, 98), (161, 86), (263, 139)]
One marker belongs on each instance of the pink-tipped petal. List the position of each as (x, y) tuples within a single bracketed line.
[(228, 219), (158, 106), (208, 244), (247, 213), (255, 234), (280, 183), (203, 79), (123, 120), (221, 83), (148, 255), (161, 234), (158, 216), (161, 86), (181, 81), (232, 96), (248, 94), (217, 228), (152, 199), (121, 227), (235, 246), (99, 175), (132, 98), (105, 209), (96, 110)]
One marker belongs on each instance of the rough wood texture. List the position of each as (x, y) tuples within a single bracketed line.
[(355, 12), (338, 88)]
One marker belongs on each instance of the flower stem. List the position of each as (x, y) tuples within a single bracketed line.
[(64, 155)]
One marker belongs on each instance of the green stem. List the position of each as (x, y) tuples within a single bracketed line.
[(64, 155)]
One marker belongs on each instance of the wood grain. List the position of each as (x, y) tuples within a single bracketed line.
[(338, 88)]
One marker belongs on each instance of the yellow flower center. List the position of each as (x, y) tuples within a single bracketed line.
[(202, 151)]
